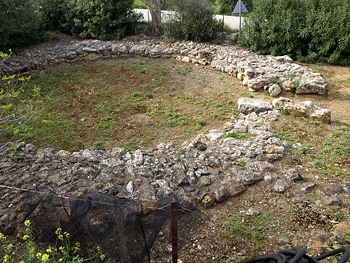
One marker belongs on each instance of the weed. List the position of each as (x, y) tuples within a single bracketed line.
[(175, 118), (153, 109), (183, 72), (157, 80), (275, 81), (158, 89), (144, 71), (149, 95), (135, 95), (289, 75), (242, 232), (239, 135), (284, 112), (319, 165), (201, 122)]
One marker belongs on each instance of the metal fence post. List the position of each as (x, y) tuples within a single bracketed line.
[(173, 222)]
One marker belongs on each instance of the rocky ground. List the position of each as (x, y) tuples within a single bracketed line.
[(253, 195)]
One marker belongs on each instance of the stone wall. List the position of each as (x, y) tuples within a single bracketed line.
[(255, 71)]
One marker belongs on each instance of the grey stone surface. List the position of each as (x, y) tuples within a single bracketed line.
[(249, 105)]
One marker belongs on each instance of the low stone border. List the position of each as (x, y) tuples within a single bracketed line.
[(255, 71)]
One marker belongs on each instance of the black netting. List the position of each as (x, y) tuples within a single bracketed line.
[(124, 228)]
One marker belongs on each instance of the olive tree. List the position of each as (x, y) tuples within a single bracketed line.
[(155, 8)]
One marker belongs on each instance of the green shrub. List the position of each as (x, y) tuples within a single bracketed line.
[(306, 30), (53, 13), (193, 21), (101, 19), (21, 24)]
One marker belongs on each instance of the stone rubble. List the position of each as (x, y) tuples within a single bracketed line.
[(256, 71), (210, 169)]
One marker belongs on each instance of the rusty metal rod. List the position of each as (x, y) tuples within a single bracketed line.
[(173, 222)]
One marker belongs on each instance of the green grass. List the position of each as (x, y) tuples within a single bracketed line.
[(116, 103)]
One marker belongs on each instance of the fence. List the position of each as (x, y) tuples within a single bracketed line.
[(125, 229)]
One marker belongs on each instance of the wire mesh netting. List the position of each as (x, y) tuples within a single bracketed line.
[(125, 229)]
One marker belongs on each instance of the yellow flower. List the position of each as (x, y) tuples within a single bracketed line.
[(60, 260), (27, 223), (98, 248), (25, 237), (6, 259), (66, 234), (61, 248), (80, 261), (49, 250), (58, 231), (2, 236), (77, 244), (45, 258), (9, 246), (22, 261), (38, 255)]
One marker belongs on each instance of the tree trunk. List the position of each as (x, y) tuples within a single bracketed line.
[(155, 8)]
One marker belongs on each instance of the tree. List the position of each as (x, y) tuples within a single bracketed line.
[(20, 25), (17, 106), (101, 19), (155, 8), (192, 20)]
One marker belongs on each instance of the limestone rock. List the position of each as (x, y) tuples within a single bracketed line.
[(275, 90), (312, 84), (248, 105), (304, 109)]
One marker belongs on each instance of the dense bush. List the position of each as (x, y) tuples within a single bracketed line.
[(194, 20), (20, 25), (306, 30), (103, 19), (54, 13)]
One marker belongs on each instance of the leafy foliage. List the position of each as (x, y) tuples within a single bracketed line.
[(16, 106), (103, 20), (20, 25), (53, 13), (306, 30), (193, 21)]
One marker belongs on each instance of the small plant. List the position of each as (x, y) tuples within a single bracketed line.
[(275, 81), (144, 70), (201, 122), (183, 72), (239, 135), (319, 165), (149, 95), (242, 232), (284, 112), (63, 251), (289, 75), (297, 82)]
